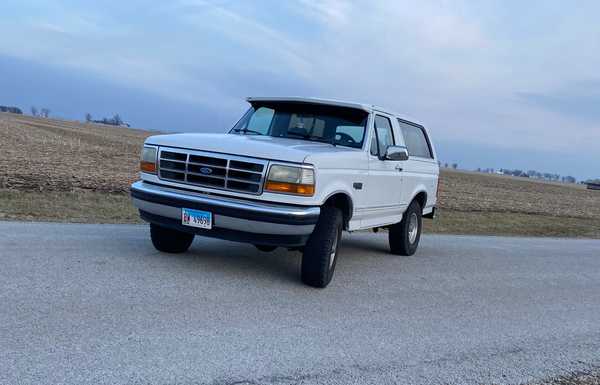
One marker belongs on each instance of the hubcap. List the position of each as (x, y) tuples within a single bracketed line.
[(413, 228)]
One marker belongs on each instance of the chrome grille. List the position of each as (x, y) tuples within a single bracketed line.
[(205, 169)]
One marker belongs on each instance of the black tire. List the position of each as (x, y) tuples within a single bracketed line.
[(265, 248), (168, 240), (320, 252), (399, 234)]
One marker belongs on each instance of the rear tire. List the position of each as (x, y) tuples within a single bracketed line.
[(404, 236), (320, 252), (168, 240), (265, 248)]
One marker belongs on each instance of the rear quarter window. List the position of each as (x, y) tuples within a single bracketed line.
[(416, 140)]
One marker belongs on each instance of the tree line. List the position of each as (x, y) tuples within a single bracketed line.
[(12, 110), (116, 120), (42, 112), (534, 174)]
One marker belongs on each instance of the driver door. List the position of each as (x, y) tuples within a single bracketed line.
[(384, 188)]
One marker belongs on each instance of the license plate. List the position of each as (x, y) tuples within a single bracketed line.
[(196, 218)]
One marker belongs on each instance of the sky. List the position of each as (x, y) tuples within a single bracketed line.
[(508, 84)]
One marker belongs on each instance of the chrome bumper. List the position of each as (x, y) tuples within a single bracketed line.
[(163, 204)]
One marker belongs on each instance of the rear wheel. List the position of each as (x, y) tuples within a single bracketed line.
[(168, 240), (404, 236), (320, 252)]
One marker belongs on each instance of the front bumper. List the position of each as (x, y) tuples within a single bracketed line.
[(233, 219)]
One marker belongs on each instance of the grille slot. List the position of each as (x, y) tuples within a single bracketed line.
[(173, 155), (178, 176), (209, 161), (168, 164), (244, 176), (256, 167), (219, 171)]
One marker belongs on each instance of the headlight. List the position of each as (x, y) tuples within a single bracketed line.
[(148, 160), (291, 180)]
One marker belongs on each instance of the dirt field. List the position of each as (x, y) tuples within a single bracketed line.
[(69, 171), (54, 155)]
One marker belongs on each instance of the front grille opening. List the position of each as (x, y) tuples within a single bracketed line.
[(208, 160), (246, 166), (249, 176), (242, 186), (205, 180), (218, 171), (172, 175), (173, 155), (172, 165)]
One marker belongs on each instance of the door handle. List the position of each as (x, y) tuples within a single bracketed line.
[(398, 168)]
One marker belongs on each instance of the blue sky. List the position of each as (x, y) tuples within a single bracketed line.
[(499, 83)]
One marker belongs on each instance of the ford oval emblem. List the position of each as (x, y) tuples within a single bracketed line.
[(206, 170)]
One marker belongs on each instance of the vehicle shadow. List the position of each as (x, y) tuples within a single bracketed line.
[(373, 244), (237, 260)]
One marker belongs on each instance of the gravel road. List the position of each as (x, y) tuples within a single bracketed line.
[(96, 304)]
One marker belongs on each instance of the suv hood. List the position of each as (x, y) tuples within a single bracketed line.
[(257, 146)]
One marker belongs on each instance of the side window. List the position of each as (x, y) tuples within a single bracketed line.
[(416, 141), (384, 136)]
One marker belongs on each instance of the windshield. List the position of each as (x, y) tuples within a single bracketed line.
[(321, 123)]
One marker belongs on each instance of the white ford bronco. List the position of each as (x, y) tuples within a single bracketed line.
[(293, 172)]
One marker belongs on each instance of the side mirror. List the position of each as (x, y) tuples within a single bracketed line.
[(396, 153)]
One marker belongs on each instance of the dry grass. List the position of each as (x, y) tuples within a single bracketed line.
[(518, 224), (56, 170), (79, 206)]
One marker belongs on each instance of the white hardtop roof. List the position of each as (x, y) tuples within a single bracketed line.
[(330, 102)]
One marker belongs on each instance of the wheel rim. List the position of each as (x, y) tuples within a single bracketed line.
[(333, 249), (413, 228)]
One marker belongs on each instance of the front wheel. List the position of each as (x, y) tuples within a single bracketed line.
[(404, 236), (320, 253), (168, 240)]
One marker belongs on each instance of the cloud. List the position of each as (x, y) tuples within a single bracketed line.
[(580, 100), (509, 73)]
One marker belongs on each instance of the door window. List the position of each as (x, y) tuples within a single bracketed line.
[(416, 141), (384, 136)]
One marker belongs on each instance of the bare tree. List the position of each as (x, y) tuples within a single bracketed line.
[(88, 117), (34, 111), (44, 112), (117, 120)]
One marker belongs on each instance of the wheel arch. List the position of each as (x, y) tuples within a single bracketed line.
[(421, 197), (343, 201)]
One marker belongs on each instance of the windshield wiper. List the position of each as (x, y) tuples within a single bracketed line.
[(247, 131), (311, 138)]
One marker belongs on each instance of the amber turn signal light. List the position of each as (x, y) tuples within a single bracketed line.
[(149, 167), (290, 188)]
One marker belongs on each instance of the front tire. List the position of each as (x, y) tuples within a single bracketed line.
[(320, 253), (404, 236), (168, 240)]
